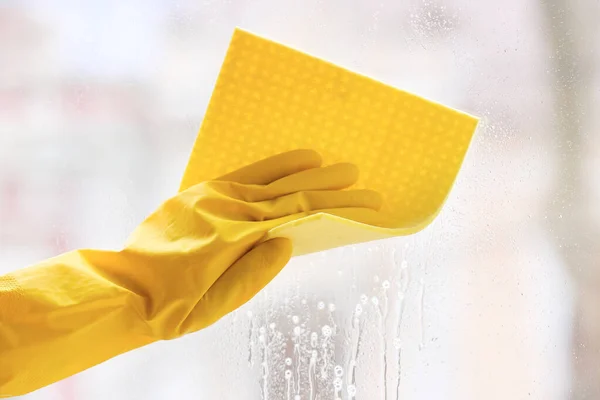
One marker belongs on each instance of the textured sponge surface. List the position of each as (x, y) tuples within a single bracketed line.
[(270, 98)]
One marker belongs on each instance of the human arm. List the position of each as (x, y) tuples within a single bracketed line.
[(195, 259)]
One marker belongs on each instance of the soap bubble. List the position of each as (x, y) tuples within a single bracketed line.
[(375, 301), (364, 298), (295, 319), (262, 330), (397, 343), (297, 397), (272, 325), (326, 330), (386, 284), (321, 305), (288, 361), (338, 371), (297, 331), (331, 307), (314, 355), (288, 374), (261, 338), (249, 313), (375, 279)]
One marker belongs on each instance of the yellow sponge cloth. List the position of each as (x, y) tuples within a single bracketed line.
[(270, 98)]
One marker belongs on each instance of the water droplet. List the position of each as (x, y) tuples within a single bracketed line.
[(364, 299), (326, 330), (295, 319), (338, 371), (386, 284), (288, 374), (262, 330), (337, 384), (331, 307), (351, 390), (375, 301), (321, 305), (358, 310), (288, 361), (297, 331)]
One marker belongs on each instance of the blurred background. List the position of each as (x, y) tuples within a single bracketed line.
[(100, 102)]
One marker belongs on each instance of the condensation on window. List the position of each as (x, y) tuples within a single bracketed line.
[(497, 299)]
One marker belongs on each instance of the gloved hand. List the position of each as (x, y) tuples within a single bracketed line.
[(197, 258)]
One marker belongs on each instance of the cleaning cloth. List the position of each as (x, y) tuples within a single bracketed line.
[(270, 98)]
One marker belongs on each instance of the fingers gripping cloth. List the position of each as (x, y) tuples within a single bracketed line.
[(270, 98)]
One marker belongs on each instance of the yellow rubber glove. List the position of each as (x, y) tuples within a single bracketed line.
[(197, 258)]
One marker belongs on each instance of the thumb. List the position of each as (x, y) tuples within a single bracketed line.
[(241, 282)]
